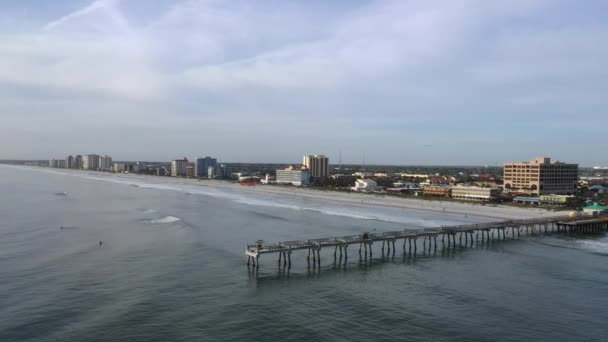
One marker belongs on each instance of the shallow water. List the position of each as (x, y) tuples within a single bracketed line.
[(171, 268)]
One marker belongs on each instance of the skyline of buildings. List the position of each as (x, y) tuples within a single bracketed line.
[(84, 162), (540, 176)]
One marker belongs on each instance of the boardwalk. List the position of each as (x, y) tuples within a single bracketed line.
[(388, 240)]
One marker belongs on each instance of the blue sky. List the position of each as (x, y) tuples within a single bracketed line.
[(401, 82)]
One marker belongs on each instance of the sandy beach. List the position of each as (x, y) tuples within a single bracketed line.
[(499, 212)]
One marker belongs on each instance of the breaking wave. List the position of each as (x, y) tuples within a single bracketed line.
[(163, 220), (597, 247)]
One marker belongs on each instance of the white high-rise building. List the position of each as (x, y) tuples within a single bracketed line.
[(90, 162), (69, 161), (295, 175), (105, 163), (317, 164), (77, 163), (178, 167)]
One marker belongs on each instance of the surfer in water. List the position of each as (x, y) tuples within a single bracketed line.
[(100, 243)]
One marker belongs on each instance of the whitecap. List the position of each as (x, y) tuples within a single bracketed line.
[(162, 220), (600, 247)]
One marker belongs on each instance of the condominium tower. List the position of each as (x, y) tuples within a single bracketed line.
[(90, 162), (69, 162), (541, 176), (317, 164), (203, 165), (178, 167)]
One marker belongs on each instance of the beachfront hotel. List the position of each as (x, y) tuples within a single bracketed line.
[(317, 164), (294, 175), (541, 176)]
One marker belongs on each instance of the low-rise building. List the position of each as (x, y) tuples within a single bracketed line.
[(363, 174), (474, 193), (526, 200), (555, 199), (595, 210), (124, 167), (437, 191), (294, 175), (365, 185)]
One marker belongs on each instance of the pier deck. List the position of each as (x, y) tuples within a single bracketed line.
[(366, 240)]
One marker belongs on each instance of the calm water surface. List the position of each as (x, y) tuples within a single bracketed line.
[(171, 268)]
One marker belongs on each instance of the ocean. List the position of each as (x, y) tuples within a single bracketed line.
[(94, 257)]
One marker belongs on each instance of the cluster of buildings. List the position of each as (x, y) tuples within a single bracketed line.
[(205, 167), (83, 162), (313, 166), (538, 181)]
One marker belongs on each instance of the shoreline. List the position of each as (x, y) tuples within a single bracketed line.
[(497, 212)]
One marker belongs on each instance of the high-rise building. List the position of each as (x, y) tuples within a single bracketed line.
[(202, 165), (105, 163), (295, 175), (540, 177), (317, 164), (77, 163), (178, 167), (225, 171), (69, 161), (53, 163), (190, 171), (90, 162)]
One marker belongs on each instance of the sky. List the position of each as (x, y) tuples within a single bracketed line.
[(463, 82)]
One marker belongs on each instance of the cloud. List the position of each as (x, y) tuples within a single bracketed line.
[(374, 69)]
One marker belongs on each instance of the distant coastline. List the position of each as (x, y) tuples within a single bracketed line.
[(498, 212)]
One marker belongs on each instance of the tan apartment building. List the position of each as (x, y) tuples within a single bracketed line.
[(540, 177), (178, 167), (474, 193)]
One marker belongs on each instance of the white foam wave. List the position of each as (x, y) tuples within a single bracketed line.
[(162, 220), (263, 203), (595, 246)]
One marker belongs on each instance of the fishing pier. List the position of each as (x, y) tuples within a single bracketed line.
[(484, 232)]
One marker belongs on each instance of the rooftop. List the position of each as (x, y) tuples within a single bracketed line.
[(596, 206)]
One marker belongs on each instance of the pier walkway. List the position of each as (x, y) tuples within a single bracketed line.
[(365, 240)]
